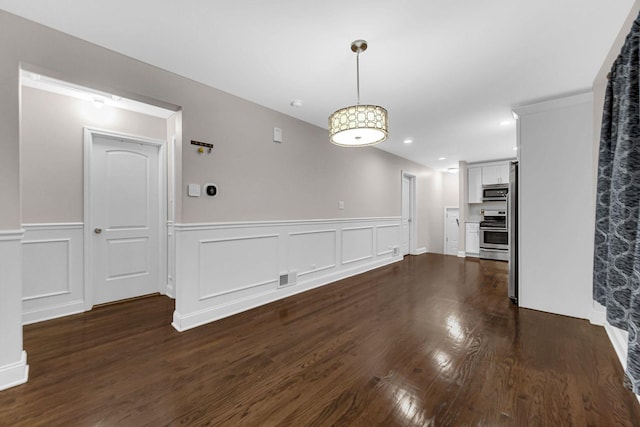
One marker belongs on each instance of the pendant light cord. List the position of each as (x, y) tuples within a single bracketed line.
[(358, 74)]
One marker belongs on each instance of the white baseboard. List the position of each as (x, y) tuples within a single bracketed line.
[(184, 322), (618, 339), (170, 292), (598, 315), (52, 312), (462, 254), (420, 251), (14, 374)]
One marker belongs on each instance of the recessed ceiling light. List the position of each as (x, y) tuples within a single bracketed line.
[(515, 148), (442, 158), (505, 123), (296, 103), (408, 141)]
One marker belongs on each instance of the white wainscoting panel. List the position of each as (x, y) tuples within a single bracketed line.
[(53, 263), (312, 251), (387, 239), (357, 244), (235, 264), (52, 271), (13, 360), (225, 268)]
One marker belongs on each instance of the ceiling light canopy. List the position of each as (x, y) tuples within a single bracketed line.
[(358, 125)]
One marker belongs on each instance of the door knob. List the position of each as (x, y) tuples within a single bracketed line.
[(98, 230)]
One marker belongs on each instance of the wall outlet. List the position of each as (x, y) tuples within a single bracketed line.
[(341, 204)]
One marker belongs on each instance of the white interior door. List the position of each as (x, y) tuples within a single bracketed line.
[(406, 216), (124, 218), (452, 224)]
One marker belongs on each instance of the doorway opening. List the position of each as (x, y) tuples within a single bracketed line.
[(451, 230), (56, 189), (408, 223), (125, 207)]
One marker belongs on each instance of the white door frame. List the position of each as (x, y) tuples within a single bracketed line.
[(89, 133), (446, 208), (413, 224)]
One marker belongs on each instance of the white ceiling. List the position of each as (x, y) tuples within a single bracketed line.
[(448, 71)]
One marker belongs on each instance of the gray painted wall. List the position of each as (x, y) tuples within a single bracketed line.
[(303, 178), (51, 144)]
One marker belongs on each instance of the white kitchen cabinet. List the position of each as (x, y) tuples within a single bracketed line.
[(495, 174), (472, 238), (474, 184)]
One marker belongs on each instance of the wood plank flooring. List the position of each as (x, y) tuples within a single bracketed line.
[(430, 341)]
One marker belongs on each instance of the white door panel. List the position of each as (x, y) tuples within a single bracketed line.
[(452, 225), (125, 214), (127, 189)]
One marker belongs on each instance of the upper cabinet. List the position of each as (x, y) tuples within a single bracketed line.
[(488, 174), (474, 175), (495, 174)]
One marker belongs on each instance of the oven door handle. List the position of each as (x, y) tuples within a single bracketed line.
[(493, 229)]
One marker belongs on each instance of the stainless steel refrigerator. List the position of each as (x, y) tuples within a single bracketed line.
[(512, 212)]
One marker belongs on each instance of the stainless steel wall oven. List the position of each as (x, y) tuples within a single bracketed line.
[(494, 235)]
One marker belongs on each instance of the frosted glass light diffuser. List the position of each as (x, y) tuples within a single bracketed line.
[(358, 125)]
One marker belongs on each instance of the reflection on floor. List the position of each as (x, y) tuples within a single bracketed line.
[(432, 340)]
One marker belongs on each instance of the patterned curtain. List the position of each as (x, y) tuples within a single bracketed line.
[(616, 274)]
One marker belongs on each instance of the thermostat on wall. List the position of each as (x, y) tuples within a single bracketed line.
[(211, 189)]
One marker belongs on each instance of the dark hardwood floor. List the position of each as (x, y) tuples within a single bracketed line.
[(430, 341)]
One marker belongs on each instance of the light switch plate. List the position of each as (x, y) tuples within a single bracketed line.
[(277, 135), (193, 190)]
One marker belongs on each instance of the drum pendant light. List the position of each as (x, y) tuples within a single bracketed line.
[(358, 125)]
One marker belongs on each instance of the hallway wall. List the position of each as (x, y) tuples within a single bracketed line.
[(51, 144), (302, 179)]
